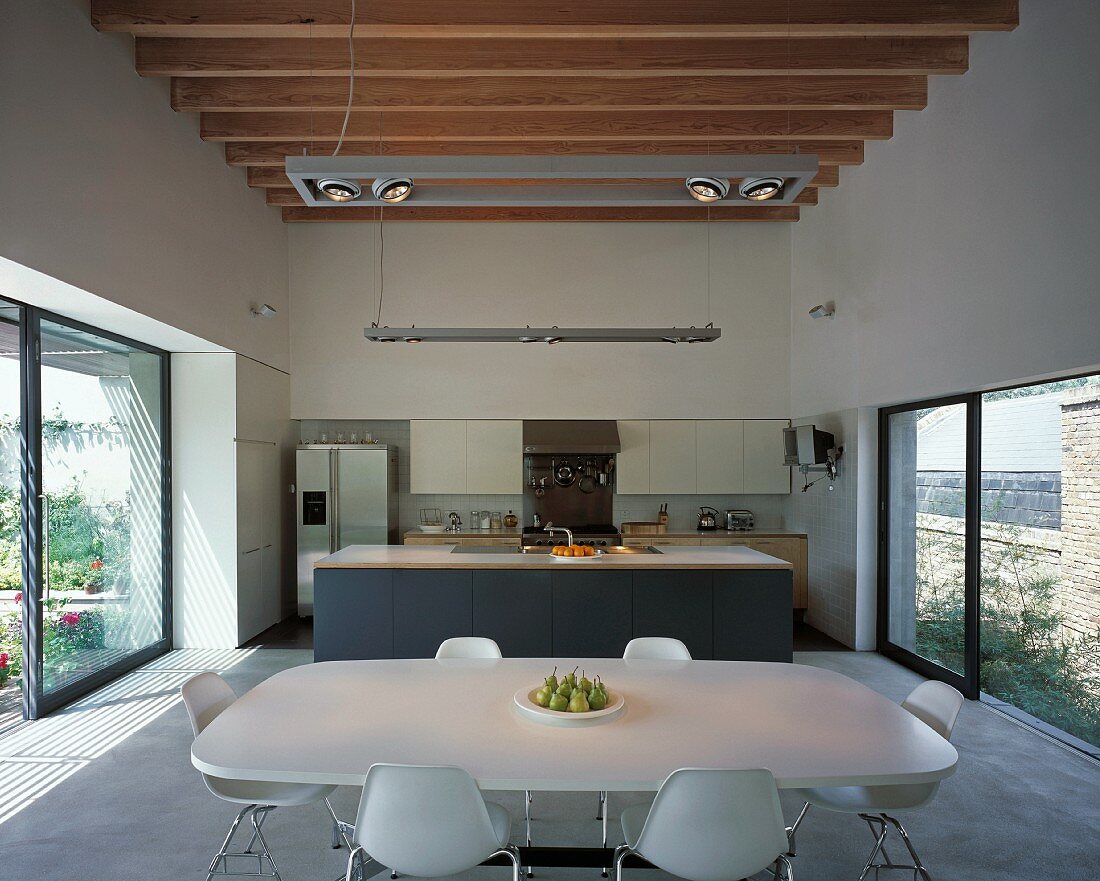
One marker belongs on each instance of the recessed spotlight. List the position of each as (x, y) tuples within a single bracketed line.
[(413, 339), (708, 189), (339, 190), (392, 189), (553, 340), (761, 188)]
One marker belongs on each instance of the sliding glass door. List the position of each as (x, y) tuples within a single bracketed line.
[(989, 567), (926, 576), (84, 562)]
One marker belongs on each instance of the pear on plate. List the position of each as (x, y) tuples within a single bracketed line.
[(558, 703), (543, 695), (578, 703)]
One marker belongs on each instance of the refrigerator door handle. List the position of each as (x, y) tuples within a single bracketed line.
[(334, 457)]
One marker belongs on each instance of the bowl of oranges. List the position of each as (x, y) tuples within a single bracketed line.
[(573, 553)]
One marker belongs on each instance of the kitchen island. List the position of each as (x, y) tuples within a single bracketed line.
[(390, 601)]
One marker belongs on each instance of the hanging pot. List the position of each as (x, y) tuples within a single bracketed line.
[(565, 475)]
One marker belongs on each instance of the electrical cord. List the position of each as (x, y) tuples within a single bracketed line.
[(351, 80)]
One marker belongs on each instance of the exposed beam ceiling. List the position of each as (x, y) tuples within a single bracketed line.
[(269, 78)]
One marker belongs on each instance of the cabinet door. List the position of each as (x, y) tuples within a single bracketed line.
[(250, 495), (672, 459), (592, 614), (720, 452), (764, 468), (676, 604), (753, 620), (437, 456), (250, 596), (429, 606), (494, 456), (793, 550), (515, 609), (353, 614), (632, 462)]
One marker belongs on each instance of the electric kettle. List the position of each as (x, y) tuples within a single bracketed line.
[(708, 519)]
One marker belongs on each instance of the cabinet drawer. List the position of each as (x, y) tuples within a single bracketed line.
[(641, 541)]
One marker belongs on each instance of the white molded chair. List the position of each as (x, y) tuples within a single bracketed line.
[(656, 648), (645, 648), (428, 821), (936, 704), (468, 647), (206, 696), (709, 825)]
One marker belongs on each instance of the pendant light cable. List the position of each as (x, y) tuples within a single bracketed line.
[(351, 79), (381, 264)]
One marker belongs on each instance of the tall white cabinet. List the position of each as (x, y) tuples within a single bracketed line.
[(232, 467)]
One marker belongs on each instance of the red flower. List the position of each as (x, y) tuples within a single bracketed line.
[(70, 618), (97, 564), (3, 660), (18, 598)]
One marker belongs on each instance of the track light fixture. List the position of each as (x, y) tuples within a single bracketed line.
[(392, 190), (708, 189), (761, 188), (339, 190)]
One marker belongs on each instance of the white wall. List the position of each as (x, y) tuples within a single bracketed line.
[(962, 254), (106, 188), (440, 274)]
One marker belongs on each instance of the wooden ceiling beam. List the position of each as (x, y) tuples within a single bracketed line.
[(398, 94), (290, 197), (566, 18), (690, 213), (274, 177), (655, 125), (174, 56), (274, 153)]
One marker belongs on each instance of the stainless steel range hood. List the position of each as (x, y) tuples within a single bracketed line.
[(571, 436)]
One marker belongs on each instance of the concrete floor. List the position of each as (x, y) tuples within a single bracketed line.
[(105, 792)]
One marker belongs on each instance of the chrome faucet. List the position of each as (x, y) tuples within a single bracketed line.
[(456, 522), (551, 528)]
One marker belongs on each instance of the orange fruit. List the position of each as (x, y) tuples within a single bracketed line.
[(590, 552), (567, 552)]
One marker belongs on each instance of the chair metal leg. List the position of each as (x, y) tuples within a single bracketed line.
[(792, 830), (621, 853), (784, 863), (512, 852), (527, 799), (601, 801), (603, 816), (220, 855), (870, 864), (341, 831), (219, 866), (918, 866)]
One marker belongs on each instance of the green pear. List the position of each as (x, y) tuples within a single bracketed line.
[(585, 683), (552, 680), (558, 703), (578, 703), (565, 689), (597, 700), (572, 677), (543, 695)]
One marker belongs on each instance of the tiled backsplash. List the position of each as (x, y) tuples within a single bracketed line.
[(683, 510)]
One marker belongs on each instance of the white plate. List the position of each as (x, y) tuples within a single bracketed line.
[(591, 559), (436, 529), (525, 701)]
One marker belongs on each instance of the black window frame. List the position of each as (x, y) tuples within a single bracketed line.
[(37, 703)]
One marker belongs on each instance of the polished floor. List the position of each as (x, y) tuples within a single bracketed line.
[(104, 791)]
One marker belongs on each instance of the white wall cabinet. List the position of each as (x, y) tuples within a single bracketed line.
[(764, 468), (720, 451), (672, 456), (686, 457), (632, 461), (494, 456), (437, 456)]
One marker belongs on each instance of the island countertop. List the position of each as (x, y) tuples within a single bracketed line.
[(445, 557)]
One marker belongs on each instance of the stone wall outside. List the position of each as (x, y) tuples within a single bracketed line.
[(1080, 564)]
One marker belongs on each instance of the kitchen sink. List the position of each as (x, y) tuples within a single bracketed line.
[(541, 549)]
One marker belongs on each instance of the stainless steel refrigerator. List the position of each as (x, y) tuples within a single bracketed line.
[(346, 495)]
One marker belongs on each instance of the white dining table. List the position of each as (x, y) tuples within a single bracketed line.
[(329, 722)]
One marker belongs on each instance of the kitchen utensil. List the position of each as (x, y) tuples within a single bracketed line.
[(708, 519), (662, 515), (540, 491), (565, 475), (740, 521), (587, 484), (511, 521)]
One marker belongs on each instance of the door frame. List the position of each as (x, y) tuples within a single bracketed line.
[(968, 682), (36, 703)]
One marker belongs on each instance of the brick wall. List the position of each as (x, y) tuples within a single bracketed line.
[(1080, 594)]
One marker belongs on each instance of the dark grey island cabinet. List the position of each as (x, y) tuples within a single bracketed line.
[(720, 614)]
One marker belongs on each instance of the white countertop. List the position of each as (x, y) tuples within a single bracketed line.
[(444, 557), (329, 722)]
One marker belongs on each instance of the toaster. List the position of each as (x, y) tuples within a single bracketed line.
[(740, 521)]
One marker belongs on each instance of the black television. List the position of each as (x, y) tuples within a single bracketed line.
[(806, 445)]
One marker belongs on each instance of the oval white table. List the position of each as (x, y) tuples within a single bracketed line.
[(329, 722)]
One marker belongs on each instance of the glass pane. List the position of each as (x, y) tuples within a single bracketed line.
[(1040, 560), (102, 479), (926, 501), (11, 556)]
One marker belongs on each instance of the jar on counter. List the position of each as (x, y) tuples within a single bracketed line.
[(475, 520), (511, 521), (495, 520), (486, 520)]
